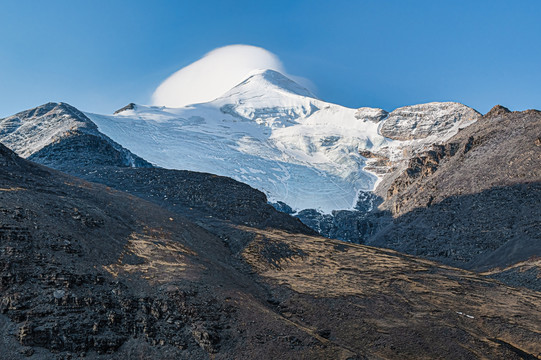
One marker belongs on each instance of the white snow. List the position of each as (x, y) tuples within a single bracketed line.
[(466, 315)]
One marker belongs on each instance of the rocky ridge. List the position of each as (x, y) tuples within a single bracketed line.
[(213, 202), (424, 120), (60, 136), (473, 202)]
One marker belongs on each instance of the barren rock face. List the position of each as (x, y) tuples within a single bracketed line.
[(420, 121), (497, 110), (373, 114)]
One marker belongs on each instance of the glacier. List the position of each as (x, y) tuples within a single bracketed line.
[(278, 137)]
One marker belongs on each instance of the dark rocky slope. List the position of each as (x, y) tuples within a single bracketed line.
[(474, 202), (85, 270), (214, 202), (469, 203), (89, 271)]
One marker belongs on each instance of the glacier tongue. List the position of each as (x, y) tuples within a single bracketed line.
[(268, 132)]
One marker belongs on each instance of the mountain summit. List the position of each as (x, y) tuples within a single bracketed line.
[(263, 82)]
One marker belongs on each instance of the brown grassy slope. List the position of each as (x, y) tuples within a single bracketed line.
[(390, 305)]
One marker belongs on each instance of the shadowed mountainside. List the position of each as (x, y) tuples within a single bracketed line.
[(474, 202), (89, 270), (211, 201)]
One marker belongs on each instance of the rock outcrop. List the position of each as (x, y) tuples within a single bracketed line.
[(422, 166), (130, 106), (372, 114), (432, 119)]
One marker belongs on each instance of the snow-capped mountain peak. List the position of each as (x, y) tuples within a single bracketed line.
[(267, 131), (261, 82), (268, 98)]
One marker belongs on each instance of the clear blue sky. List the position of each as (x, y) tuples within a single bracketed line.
[(100, 55)]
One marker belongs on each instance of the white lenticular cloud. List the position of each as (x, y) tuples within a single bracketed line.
[(214, 74)]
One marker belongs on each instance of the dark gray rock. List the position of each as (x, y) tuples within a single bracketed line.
[(130, 106), (282, 207), (349, 225)]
